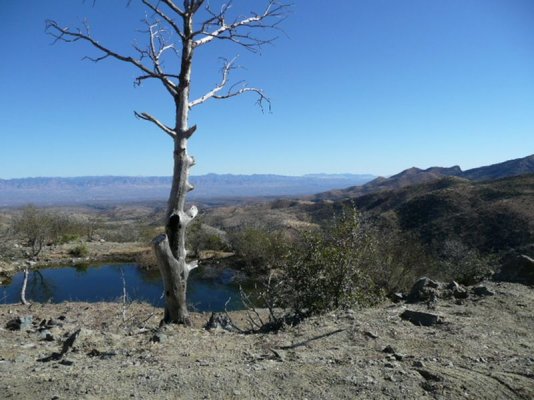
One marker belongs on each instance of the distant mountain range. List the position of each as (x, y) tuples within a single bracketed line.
[(84, 190), (415, 176), (116, 189)]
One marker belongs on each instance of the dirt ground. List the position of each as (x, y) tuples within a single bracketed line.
[(484, 349)]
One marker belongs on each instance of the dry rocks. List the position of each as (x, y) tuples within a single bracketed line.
[(421, 318), (482, 291), (20, 323), (425, 289)]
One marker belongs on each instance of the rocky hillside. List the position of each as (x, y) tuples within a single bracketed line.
[(416, 176), (479, 345), (492, 216), (516, 167)]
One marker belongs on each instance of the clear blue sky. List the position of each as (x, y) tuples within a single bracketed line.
[(361, 86)]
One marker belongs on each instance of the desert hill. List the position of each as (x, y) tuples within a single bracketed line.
[(491, 216), (414, 176)]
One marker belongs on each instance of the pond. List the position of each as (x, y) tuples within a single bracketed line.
[(209, 289)]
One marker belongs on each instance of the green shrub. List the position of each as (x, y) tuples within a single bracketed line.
[(332, 268), (80, 250)]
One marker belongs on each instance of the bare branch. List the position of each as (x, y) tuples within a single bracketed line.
[(157, 48), (148, 117), (63, 34), (274, 13), (235, 90), (167, 19), (262, 98), (228, 66), (173, 7), (192, 6)]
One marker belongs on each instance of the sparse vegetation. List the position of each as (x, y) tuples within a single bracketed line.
[(33, 226), (259, 250), (201, 237), (455, 261), (332, 268), (38, 227), (80, 250)]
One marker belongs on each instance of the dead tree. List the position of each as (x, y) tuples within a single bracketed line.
[(177, 30)]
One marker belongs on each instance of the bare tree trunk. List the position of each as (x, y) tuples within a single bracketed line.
[(170, 249), (174, 275)]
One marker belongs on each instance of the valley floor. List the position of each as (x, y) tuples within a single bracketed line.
[(483, 350)]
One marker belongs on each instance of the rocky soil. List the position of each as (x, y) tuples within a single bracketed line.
[(483, 348)]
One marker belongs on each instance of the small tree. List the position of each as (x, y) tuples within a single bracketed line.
[(33, 226), (177, 31)]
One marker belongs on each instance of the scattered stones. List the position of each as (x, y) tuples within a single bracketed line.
[(457, 290), (279, 354), (220, 321), (20, 323), (418, 364), (47, 324), (46, 335), (425, 289), (158, 337), (421, 318), (519, 269), (101, 354), (429, 376), (389, 350), (398, 297), (371, 335), (482, 291)]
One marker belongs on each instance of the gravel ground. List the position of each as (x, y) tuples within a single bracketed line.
[(484, 349)]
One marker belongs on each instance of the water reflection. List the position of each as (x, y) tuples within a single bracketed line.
[(210, 288)]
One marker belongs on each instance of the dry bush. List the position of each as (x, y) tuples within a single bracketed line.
[(80, 250), (33, 225), (332, 268), (259, 251), (456, 261), (201, 237)]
